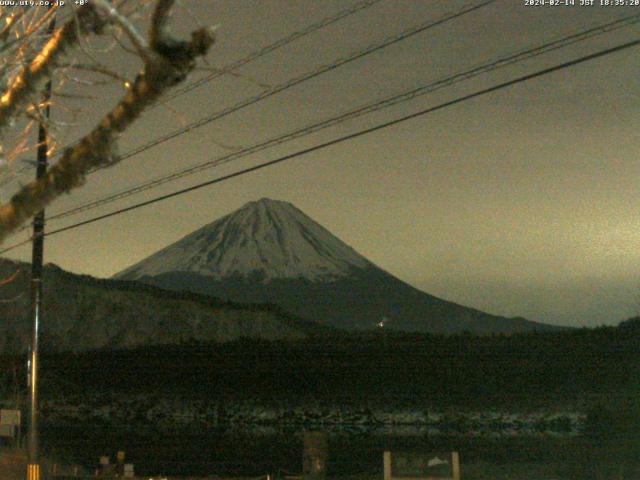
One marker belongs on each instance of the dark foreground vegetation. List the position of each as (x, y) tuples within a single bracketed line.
[(576, 369), (595, 372)]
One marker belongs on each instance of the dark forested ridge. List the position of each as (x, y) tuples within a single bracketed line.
[(269, 251), (83, 313)]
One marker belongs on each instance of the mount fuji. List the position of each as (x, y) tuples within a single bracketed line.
[(269, 251)]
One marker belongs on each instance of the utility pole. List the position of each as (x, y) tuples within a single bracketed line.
[(37, 257)]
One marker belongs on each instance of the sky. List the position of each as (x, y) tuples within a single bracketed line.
[(523, 202)]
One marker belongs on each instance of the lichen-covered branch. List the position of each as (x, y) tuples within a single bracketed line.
[(169, 62)]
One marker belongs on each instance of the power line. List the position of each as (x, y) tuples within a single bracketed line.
[(388, 41), (422, 27), (369, 108), (229, 68), (272, 47), (391, 40), (344, 138)]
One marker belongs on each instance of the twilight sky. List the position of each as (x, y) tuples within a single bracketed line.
[(521, 202)]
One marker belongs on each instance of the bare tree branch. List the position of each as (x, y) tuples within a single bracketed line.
[(159, 34), (98, 68), (31, 78), (169, 62), (9, 23), (140, 44)]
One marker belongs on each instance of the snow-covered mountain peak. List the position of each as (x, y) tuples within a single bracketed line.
[(265, 239)]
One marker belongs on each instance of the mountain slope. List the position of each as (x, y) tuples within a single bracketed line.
[(83, 313), (269, 251), (268, 239)]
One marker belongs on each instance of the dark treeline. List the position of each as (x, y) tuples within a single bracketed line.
[(578, 369), (574, 368)]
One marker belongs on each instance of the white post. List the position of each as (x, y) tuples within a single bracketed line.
[(387, 465), (455, 465)]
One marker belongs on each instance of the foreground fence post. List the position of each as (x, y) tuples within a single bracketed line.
[(314, 455), (421, 466)]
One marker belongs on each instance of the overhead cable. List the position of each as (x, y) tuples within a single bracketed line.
[(355, 113), (345, 138)]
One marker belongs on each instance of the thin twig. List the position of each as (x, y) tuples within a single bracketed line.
[(32, 77), (97, 69), (140, 44), (172, 60)]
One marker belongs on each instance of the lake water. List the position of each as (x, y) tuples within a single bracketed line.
[(258, 451)]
